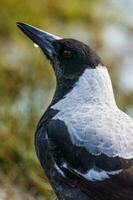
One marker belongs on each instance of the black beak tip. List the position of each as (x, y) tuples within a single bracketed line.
[(41, 38), (20, 25)]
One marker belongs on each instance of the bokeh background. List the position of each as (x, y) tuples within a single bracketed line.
[(27, 81)]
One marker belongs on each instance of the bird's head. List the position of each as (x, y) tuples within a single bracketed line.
[(69, 57)]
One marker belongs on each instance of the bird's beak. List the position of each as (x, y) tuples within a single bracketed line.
[(43, 39)]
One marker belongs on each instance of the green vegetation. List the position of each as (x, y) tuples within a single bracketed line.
[(27, 81)]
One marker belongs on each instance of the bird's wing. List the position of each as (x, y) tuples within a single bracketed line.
[(93, 157)]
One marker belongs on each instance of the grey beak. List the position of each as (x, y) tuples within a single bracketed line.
[(43, 39)]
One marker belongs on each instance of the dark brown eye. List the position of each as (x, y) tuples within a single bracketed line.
[(67, 54)]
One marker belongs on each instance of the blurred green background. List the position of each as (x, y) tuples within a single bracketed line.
[(27, 81)]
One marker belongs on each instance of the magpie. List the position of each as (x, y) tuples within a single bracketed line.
[(84, 141)]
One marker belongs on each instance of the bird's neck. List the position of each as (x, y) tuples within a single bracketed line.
[(63, 87), (93, 87)]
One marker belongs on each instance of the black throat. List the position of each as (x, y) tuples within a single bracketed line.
[(62, 88)]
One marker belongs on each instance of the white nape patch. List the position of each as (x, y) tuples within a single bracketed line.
[(95, 175), (92, 117), (93, 87), (35, 45)]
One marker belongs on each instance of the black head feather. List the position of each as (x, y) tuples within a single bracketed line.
[(74, 57)]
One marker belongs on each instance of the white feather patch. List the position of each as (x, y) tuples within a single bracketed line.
[(92, 174), (92, 117), (59, 170), (95, 175)]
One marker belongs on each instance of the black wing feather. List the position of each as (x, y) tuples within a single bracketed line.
[(79, 158)]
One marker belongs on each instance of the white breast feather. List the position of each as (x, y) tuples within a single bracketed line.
[(92, 117)]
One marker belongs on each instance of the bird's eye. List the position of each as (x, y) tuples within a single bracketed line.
[(67, 54)]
